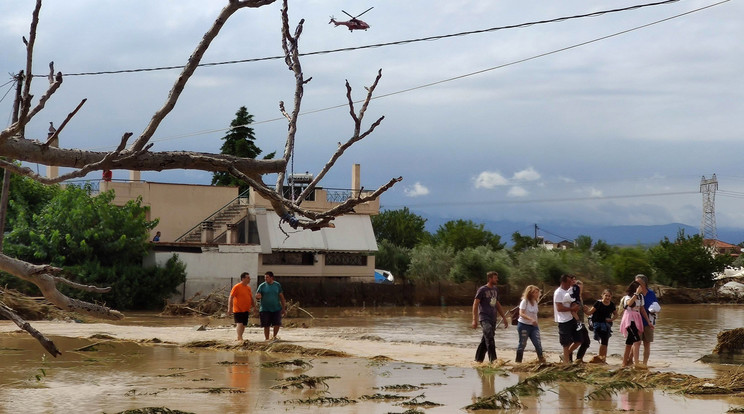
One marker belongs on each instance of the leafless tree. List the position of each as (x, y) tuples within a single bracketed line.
[(15, 145)]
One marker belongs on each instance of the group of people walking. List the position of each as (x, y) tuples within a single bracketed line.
[(270, 299), (639, 307)]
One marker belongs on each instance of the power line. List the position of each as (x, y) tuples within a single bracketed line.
[(377, 45), (557, 235), (547, 200), (576, 45)]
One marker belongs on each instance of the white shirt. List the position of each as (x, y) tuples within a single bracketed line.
[(530, 309), (561, 296)]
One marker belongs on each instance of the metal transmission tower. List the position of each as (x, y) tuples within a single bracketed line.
[(708, 226)]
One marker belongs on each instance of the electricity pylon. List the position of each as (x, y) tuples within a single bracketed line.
[(708, 225)]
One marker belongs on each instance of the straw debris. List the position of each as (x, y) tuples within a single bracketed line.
[(323, 401), (213, 304), (302, 381), (730, 341), (294, 363)]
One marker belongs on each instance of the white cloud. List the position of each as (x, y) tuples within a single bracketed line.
[(528, 174), (593, 192), (517, 191), (490, 179), (416, 190)]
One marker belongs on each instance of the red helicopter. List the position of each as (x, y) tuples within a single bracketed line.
[(354, 23)]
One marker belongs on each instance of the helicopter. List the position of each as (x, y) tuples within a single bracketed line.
[(354, 23)]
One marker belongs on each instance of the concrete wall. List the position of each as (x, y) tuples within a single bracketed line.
[(179, 207), (214, 269)]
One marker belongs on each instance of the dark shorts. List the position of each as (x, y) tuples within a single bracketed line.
[(241, 317), (567, 333), (632, 335), (270, 318)]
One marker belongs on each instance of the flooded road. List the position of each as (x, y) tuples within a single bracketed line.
[(117, 375)]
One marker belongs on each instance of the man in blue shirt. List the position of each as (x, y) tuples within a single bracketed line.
[(649, 297), (272, 305), (485, 306)]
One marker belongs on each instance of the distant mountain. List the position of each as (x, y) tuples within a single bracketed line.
[(614, 235)]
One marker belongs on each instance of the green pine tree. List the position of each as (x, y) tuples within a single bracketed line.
[(239, 141)]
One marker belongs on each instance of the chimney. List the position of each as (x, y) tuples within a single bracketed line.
[(356, 180)]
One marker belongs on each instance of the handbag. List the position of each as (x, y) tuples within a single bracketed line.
[(514, 315)]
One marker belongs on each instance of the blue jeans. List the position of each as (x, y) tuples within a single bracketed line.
[(533, 333)]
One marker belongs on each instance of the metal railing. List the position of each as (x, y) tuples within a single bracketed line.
[(242, 195)]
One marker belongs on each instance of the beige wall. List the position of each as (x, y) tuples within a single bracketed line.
[(178, 206), (319, 269)]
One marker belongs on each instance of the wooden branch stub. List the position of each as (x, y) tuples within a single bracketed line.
[(47, 343)]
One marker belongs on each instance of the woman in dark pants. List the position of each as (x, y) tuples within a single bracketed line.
[(585, 340)]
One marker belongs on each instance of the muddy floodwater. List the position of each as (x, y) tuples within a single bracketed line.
[(114, 375)]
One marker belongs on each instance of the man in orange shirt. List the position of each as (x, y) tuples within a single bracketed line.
[(240, 303)]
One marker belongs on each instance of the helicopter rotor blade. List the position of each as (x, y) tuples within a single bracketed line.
[(348, 14), (364, 12)]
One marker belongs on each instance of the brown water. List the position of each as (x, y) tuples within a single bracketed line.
[(120, 376)]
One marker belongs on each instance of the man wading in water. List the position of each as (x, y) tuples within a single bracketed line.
[(485, 306)]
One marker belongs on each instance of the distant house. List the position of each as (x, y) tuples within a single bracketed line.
[(719, 247), (549, 245), (564, 244), (219, 233)]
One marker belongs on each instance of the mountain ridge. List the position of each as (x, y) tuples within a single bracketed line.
[(614, 235)]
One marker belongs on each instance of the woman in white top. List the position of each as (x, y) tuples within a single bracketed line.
[(631, 324), (527, 323)]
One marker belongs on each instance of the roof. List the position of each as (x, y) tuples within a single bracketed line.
[(353, 234)]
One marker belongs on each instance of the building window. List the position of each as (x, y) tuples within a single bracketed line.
[(345, 259), (289, 258)]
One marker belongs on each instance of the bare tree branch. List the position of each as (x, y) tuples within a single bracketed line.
[(15, 145), (191, 66), (292, 59), (43, 340), (61, 127), (354, 138), (45, 277)]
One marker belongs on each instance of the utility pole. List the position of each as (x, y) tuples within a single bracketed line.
[(708, 188), (6, 173)]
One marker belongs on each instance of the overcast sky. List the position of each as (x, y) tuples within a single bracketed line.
[(551, 122)]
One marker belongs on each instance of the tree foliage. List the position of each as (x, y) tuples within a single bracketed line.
[(100, 243), (628, 262), (583, 243), (539, 267), (472, 263), (392, 257), (240, 141), (431, 262), (462, 234), (686, 261), (400, 227), (522, 243)]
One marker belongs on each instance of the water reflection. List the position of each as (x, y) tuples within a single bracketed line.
[(684, 332), (121, 375), (637, 400)]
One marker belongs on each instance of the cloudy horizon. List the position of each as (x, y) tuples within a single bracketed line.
[(608, 120)]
